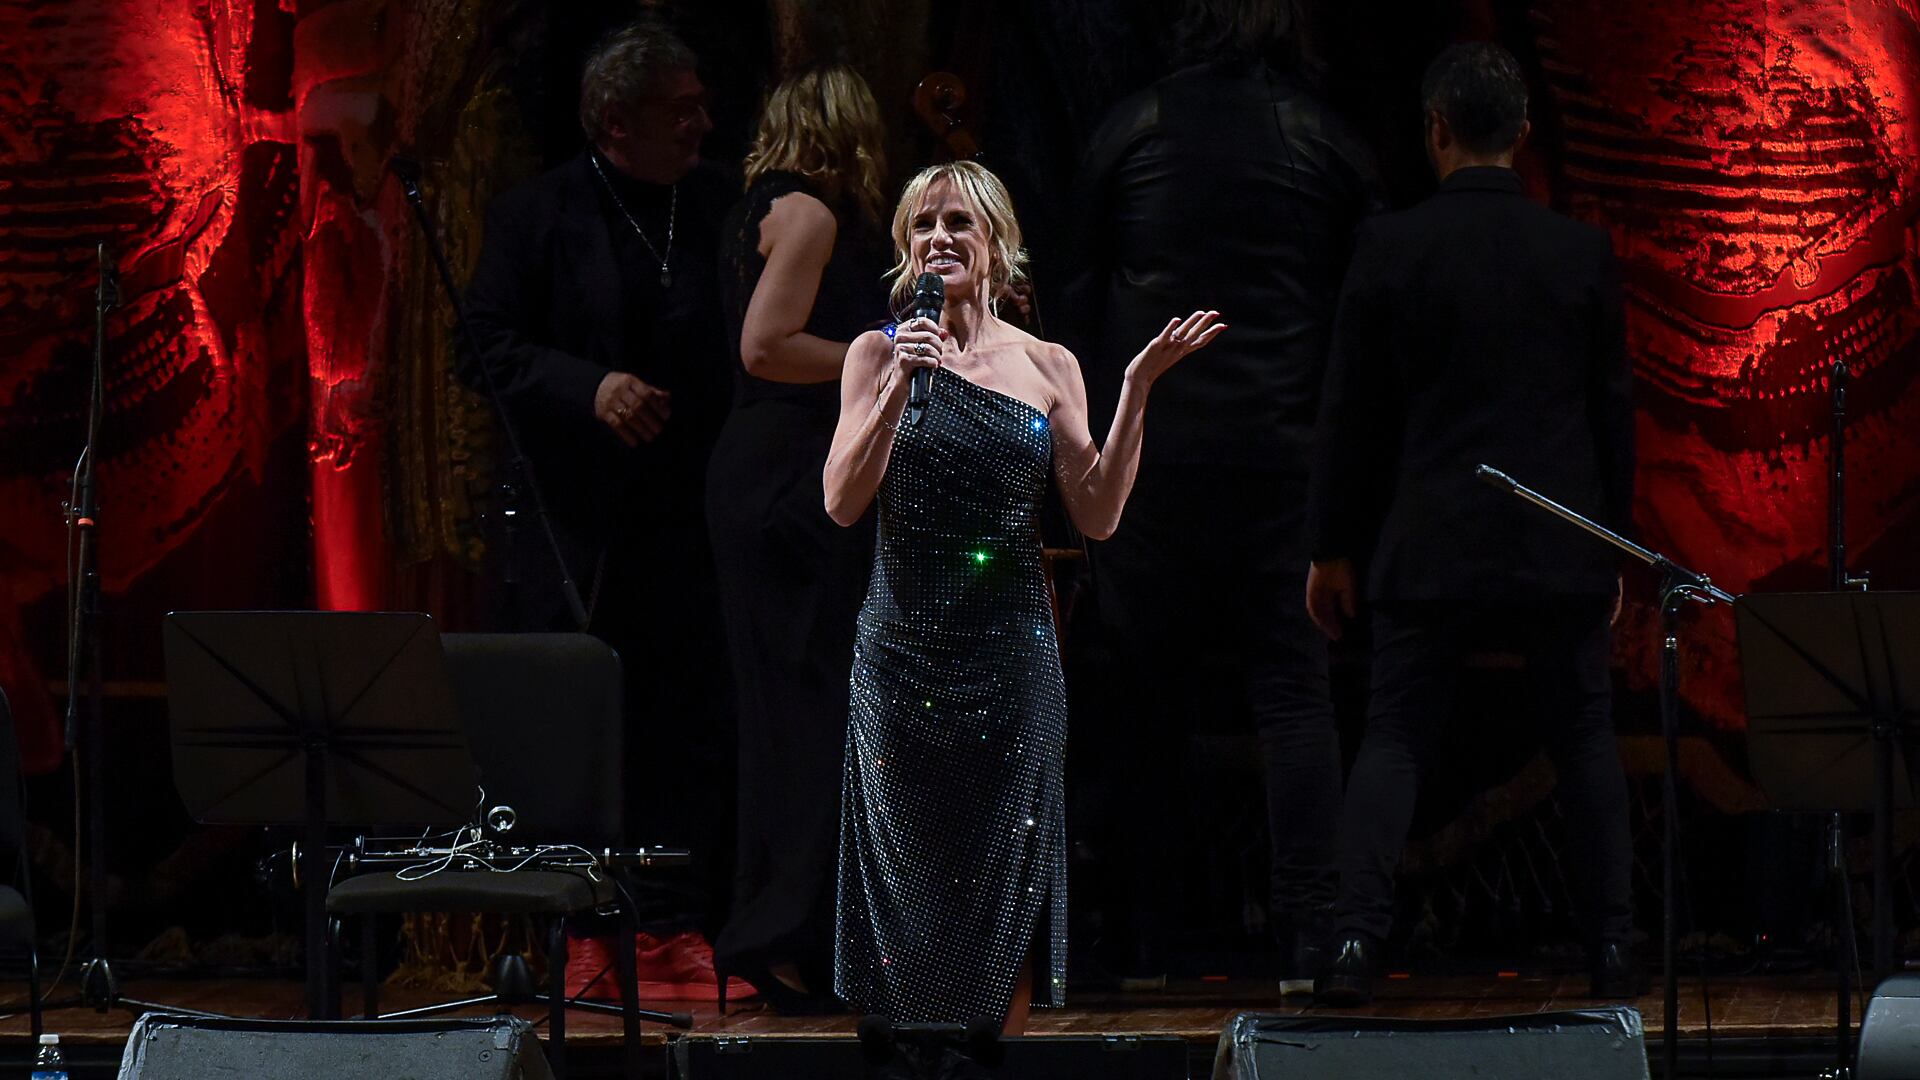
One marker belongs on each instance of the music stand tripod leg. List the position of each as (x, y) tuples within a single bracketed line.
[(1671, 597), (1845, 948), (1883, 734)]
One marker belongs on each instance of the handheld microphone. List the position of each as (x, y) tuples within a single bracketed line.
[(929, 299)]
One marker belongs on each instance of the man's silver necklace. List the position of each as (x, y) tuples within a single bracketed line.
[(673, 208)]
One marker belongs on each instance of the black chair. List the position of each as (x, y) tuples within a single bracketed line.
[(543, 716), (16, 899)]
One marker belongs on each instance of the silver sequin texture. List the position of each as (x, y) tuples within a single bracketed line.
[(952, 821)]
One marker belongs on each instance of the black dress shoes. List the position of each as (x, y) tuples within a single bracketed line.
[(1303, 951), (1145, 971), (1348, 980), (1615, 975)]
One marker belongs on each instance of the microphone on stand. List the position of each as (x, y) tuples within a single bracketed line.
[(929, 299), (83, 521)]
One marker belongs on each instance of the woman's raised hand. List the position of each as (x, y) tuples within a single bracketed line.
[(1180, 337)]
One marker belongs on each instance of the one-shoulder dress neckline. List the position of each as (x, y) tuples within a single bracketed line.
[(984, 388)]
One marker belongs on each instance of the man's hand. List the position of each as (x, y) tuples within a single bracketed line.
[(636, 411), (1332, 596), (1020, 295)]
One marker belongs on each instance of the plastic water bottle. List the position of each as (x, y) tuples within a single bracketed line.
[(48, 1064)]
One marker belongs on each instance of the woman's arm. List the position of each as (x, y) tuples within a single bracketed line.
[(873, 394), (796, 237), (1095, 481)]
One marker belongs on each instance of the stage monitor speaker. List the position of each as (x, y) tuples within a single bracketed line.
[(1890, 1033), (1032, 1057), (164, 1047), (1585, 1044)]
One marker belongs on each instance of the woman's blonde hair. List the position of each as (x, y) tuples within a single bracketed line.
[(824, 125), (1007, 262)]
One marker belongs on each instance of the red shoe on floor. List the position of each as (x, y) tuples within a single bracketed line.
[(679, 968)]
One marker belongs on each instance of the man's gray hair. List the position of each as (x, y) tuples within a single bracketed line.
[(625, 67)]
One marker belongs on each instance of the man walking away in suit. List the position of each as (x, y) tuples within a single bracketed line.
[(1477, 327)]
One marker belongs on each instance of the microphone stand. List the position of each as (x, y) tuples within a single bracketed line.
[(1678, 585), (1841, 581), (99, 986), (519, 470)]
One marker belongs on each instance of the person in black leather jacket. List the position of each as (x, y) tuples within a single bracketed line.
[(1226, 185)]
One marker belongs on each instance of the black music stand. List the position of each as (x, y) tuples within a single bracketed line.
[(315, 718), (1833, 712)]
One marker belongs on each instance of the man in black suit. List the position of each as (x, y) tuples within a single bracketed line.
[(1477, 327), (1227, 185), (596, 300)]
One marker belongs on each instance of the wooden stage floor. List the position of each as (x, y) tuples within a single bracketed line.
[(1796, 1008)]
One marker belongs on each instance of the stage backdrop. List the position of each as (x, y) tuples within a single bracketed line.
[(1758, 164), (167, 131)]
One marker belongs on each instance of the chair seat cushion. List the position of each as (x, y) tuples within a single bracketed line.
[(16, 919), (519, 892)]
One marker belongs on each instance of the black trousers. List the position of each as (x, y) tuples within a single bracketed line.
[(791, 583), (1417, 656), (1201, 595), (658, 606)]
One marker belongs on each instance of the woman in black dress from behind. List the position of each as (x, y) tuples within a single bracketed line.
[(802, 268)]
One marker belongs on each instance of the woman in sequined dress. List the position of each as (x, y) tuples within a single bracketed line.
[(952, 884)]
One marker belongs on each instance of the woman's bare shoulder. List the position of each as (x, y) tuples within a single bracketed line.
[(1051, 359), (1043, 354), (797, 217), (796, 207), (1053, 367), (871, 344)]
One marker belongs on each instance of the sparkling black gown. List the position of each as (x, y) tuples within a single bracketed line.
[(790, 587), (952, 826)]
